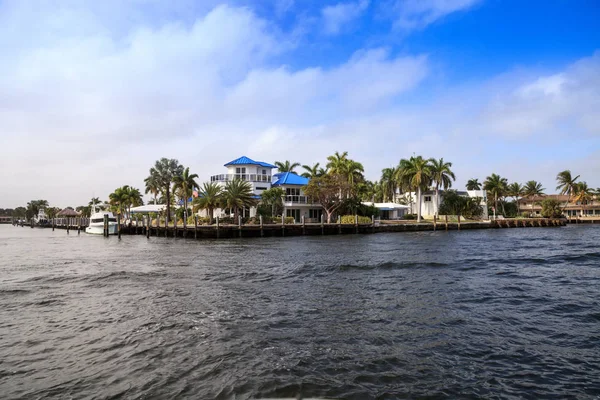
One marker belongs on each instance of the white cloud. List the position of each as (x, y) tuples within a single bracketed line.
[(417, 14), (337, 17)]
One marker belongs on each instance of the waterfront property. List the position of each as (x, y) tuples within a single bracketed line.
[(430, 205), (389, 211), (295, 202), (533, 206)]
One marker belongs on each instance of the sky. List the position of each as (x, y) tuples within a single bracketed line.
[(93, 93)]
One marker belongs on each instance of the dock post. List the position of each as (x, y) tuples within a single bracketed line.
[(218, 233), (434, 222), (372, 223), (339, 224), (105, 231), (119, 225), (148, 223), (303, 226), (355, 223), (446, 222), (240, 225), (53, 223), (262, 232), (459, 222), (282, 225), (175, 226), (195, 226), (68, 225), (78, 225), (31, 223), (322, 224)]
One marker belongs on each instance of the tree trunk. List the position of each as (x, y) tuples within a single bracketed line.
[(418, 204), (329, 213), (235, 214), (168, 207), (437, 201), (210, 216)]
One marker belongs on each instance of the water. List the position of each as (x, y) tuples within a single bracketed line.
[(511, 313)]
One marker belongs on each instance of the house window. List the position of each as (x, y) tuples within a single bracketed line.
[(240, 170), (427, 198), (315, 213), (292, 192), (261, 188), (264, 171)]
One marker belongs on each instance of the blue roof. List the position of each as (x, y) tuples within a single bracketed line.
[(243, 160), (289, 178)]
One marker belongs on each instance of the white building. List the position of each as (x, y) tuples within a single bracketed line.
[(295, 203), (429, 205), (389, 211)]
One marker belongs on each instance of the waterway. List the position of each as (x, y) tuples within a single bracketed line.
[(506, 313)]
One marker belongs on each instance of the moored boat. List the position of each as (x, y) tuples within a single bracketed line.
[(96, 226)]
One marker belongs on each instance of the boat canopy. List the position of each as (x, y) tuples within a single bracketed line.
[(149, 208)]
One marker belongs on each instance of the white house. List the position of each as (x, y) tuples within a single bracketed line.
[(429, 205), (389, 210), (295, 203)]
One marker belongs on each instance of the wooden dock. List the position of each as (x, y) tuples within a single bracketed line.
[(221, 231)]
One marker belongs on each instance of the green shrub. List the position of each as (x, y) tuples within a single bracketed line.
[(409, 216), (290, 220), (349, 219), (551, 208)]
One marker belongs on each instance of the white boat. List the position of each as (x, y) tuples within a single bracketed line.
[(41, 219), (96, 226)]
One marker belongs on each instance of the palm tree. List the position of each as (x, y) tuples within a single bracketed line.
[(388, 183), (185, 184), (313, 172), (209, 198), (119, 199), (163, 172), (417, 173), (515, 190), (93, 203), (442, 175), (497, 186), (353, 171), (135, 198), (533, 189), (582, 194), (238, 194), (566, 185), (152, 186), (286, 166), (336, 163), (473, 184)]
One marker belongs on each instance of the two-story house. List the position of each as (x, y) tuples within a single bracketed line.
[(295, 203)]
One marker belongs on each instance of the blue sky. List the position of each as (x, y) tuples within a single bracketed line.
[(508, 87)]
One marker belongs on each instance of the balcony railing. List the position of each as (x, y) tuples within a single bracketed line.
[(297, 200), (244, 177)]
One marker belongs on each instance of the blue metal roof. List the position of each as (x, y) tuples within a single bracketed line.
[(289, 178), (243, 160)]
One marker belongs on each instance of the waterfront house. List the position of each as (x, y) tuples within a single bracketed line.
[(429, 205), (389, 211), (572, 209), (295, 202)]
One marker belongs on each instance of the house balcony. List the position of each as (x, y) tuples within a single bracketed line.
[(289, 201), (244, 177)]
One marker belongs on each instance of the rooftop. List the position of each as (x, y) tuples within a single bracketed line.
[(289, 178), (243, 160)]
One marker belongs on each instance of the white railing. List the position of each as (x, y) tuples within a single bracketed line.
[(244, 177), (297, 200)]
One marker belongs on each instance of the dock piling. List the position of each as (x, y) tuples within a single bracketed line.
[(322, 225), (262, 232), (303, 226), (218, 230), (195, 226), (240, 225), (119, 225), (282, 225)]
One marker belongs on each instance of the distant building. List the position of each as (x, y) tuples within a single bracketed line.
[(429, 205), (533, 206), (389, 211), (295, 203)]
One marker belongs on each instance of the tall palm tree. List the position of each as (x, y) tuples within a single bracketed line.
[(286, 166), (209, 198), (442, 176), (566, 185), (238, 194), (152, 186), (473, 184), (337, 162), (185, 184), (353, 170), (135, 199), (417, 172), (93, 203), (582, 194), (515, 190), (120, 199), (496, 186), (388, 183), (313, 172), (163, 172), (533, 189)]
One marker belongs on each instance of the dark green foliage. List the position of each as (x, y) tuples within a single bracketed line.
[(467, 207), (551, 208)]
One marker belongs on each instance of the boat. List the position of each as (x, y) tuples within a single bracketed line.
[(96, 226), (41, 219)]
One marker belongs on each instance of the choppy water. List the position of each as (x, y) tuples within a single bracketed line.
[(511, 313)]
